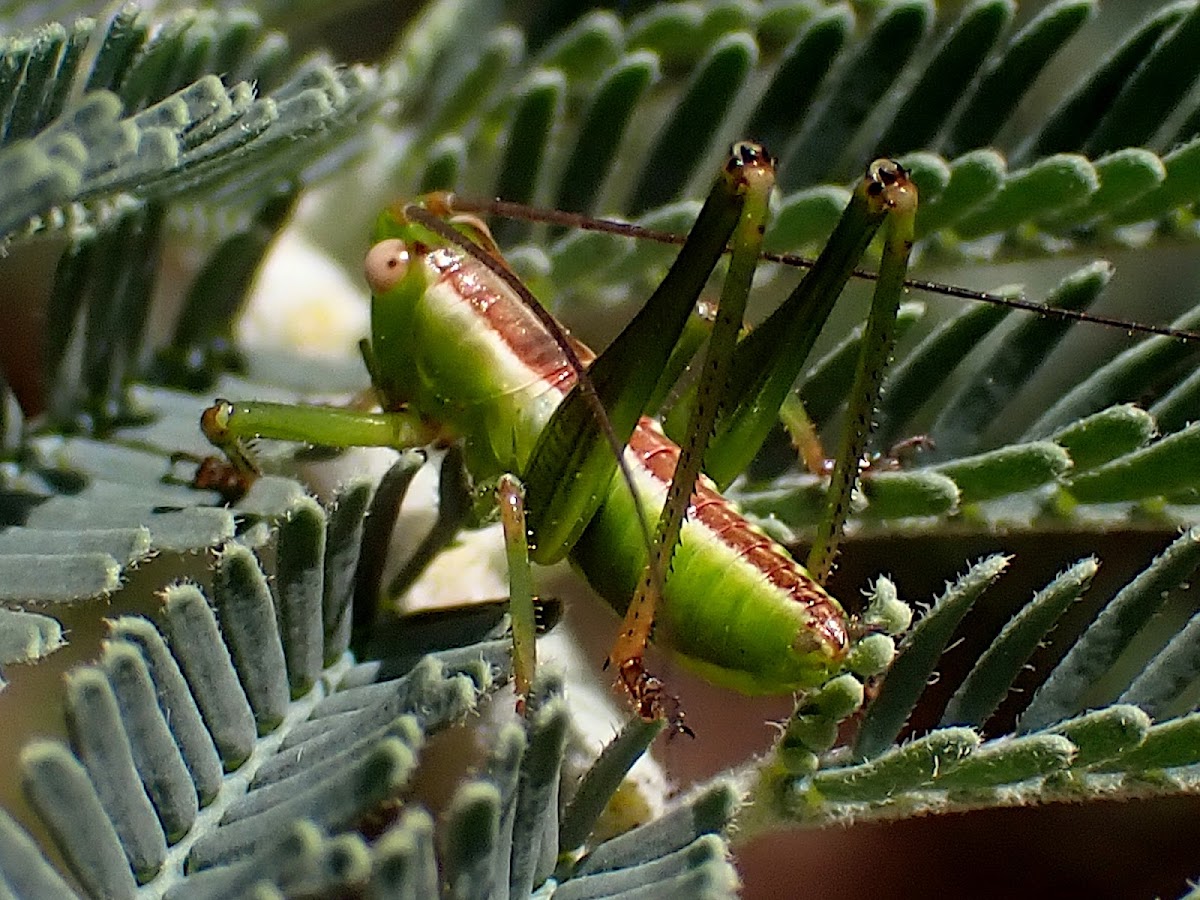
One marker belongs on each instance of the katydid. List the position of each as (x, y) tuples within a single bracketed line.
[(459, 351)]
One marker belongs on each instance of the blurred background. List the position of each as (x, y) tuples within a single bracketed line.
[(1117, 850)]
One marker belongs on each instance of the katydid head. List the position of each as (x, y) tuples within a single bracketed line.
[(397, 244), (401, 235)]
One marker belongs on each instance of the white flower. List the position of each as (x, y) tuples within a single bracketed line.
[(304, 301)]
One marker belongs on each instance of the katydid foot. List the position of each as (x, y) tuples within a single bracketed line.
[(233, 472), (649, 697)]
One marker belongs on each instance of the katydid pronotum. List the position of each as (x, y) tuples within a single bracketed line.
[(459, 350)]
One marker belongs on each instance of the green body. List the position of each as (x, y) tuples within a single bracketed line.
[(436, 352), (720, 616), (458, 349)]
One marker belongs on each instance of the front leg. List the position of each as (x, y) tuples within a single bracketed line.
[(229, 426)]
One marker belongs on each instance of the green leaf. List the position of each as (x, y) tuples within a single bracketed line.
[(1049, 185), (1022, 60), (1013, 468), (1166, 746), (1103, 734), (1180, 185), (1155, 89), (1061, 695), (601, 781), (918, 656), (1166, 467), (1105, 435), (687, 135), (1011, 365), (796, 81), (57, 786), (918, 762), (961, 53), (1167, 675), (1125, 176), (869, 72), (1126, 374), (617, 96), (1077, 116), (993, 674), (1009, 761), (25, 637), (896, 495)]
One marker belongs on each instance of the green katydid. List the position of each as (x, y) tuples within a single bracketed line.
[(735, 606), (459, 350)]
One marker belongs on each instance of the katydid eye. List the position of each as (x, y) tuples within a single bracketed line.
[(386, 264)]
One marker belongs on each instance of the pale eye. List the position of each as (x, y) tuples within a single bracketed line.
[(386, 264)]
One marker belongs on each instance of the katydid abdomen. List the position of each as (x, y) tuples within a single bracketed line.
[(738, 609), (455, 343)]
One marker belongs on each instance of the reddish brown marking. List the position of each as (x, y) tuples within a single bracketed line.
[(508, 317), (660, 455), (527, 340)]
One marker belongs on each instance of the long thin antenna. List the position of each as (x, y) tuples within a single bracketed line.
[(509, 209)]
